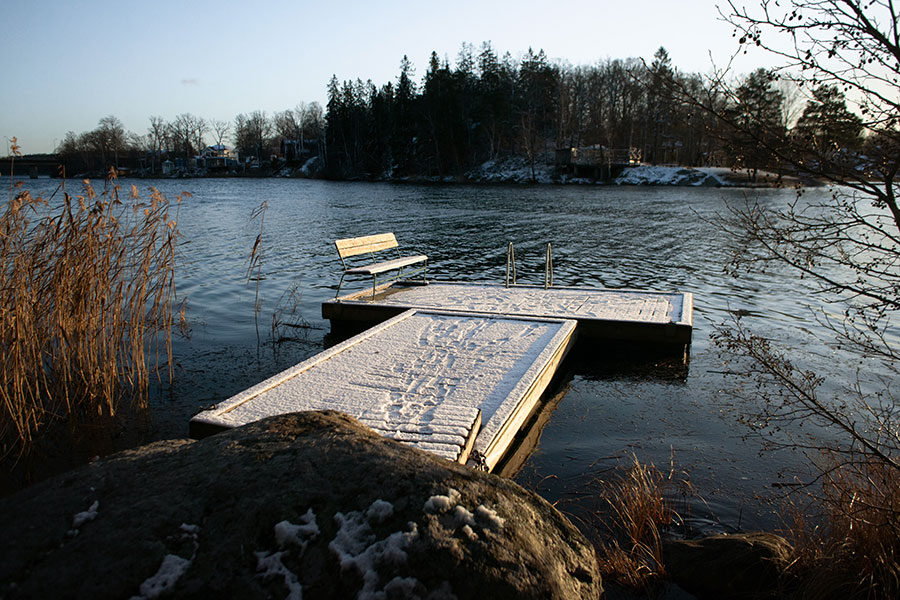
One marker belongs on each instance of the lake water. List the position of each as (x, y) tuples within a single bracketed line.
[(655, 238)]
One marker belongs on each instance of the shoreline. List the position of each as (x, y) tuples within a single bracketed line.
[(514, 173)]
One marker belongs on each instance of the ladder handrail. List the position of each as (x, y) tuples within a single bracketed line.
[(511, 265), (510, 261), (548, 268)]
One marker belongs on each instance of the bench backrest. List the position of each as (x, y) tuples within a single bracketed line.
[(363, 245)]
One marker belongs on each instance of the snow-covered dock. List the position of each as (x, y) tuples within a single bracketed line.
[(448, 383), (626, 315)]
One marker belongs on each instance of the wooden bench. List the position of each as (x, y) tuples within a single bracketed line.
[(369, 245)]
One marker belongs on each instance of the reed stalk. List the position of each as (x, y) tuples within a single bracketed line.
[(636, 510), (86, 309), (850, 546)]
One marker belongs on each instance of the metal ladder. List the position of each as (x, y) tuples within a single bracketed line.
[(511, 265)]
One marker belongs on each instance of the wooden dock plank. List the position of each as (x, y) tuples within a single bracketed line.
[(601, 313), (427, 378)]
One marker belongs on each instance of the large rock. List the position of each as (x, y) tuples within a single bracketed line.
[(748, 566), (310, 504)]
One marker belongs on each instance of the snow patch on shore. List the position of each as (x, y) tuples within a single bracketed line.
[(659, 175), (511, 170), (518, 170)]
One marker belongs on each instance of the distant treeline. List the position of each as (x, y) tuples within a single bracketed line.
[(488, 107), (289, 135)]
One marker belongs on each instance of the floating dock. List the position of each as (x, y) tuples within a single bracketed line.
[(456, 369), (459, 385), (625, 315)]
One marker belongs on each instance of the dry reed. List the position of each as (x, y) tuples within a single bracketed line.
[(636, 509), (86, 309), (851, 549)]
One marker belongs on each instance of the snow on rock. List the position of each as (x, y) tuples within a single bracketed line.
[(488, 518), (519, 170), (379, 511), (356, 547), (88, 515), (190, 532), (463, 516), (171, 569), (190, 529), (441, 504), (469, 533), (298, 535), (402, 587), (272, 566)]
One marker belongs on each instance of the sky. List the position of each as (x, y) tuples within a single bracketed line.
[(69, 63)]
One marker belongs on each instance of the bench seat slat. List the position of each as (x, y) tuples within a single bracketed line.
[(388, 265), (364, 245)]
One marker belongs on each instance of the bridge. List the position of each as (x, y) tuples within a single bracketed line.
[(32, 165)]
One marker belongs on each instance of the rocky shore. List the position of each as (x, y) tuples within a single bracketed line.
[(315, 505), (307, 505)]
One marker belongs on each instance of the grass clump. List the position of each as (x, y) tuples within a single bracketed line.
[(850, 546), (86, 311), (636, 509)]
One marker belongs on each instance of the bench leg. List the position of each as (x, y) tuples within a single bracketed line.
[(338, 293), (374, 280)]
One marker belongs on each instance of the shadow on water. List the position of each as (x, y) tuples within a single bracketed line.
[(609, 360), (576, 491)]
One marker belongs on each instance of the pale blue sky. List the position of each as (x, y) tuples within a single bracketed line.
[(68, 63)]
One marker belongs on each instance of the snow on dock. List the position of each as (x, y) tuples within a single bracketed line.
[(425, 378), (601, 313)]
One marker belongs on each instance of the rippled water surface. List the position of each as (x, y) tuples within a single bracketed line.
[(645, 238)]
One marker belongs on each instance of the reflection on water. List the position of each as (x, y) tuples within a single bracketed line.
[(611, 405)]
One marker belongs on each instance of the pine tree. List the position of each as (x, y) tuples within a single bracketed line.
[(827, 124), (756, 115), (537, 85), (659, 107), (404, 118)]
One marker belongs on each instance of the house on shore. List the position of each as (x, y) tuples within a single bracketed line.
[(219, 156)]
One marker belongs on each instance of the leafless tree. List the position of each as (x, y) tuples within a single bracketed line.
[(157, 132), (182, 130), (252, 134), (848, 244), (201, 128), (220, 130), (110, 137), (286, 125)]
